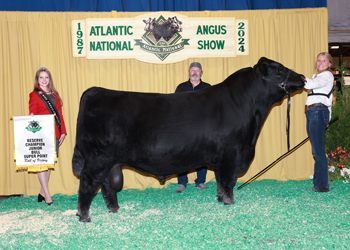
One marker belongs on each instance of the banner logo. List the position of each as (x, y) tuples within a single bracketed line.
[(162, 36), (33, 126)]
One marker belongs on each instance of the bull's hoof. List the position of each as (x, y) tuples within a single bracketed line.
[(113, 209), (85, 219), (229, 203), (220, 199)]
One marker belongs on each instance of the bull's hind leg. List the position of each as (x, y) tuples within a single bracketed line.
[(112, 184), (89, 182), (86, 194), (110, 196)]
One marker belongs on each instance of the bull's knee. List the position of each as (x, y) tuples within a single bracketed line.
[(116, 177)]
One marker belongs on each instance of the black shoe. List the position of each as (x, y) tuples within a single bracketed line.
[(40, 198), (320, 190)]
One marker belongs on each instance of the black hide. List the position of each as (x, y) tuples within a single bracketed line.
[(167, 134)]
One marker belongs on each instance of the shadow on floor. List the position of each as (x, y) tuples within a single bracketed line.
[(8, 196)]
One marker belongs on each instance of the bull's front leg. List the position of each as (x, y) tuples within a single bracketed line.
[(219, 190), (228, 194), (225, 183)]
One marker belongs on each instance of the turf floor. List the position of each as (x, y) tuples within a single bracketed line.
[(267, 214)]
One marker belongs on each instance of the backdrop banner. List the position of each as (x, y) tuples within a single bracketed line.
[(292, 37), (34, 142), (160, 37)]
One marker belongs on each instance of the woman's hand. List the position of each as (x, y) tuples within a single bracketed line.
[(62, 138)]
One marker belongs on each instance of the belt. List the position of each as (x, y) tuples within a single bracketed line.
[(307, 107)]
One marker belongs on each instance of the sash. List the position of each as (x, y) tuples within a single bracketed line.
[(52, 109)]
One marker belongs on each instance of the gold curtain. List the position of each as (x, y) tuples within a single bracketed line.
[(30, 40)]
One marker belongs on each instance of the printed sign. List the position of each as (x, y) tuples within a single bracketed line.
[(34, 141), (79, 48), (160, 37)]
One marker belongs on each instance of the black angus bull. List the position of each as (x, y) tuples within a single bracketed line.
[(167, 134)]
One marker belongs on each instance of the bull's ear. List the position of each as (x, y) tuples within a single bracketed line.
[(262, 60), (261, 68)]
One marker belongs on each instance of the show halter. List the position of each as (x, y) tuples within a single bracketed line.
[(283, 86)]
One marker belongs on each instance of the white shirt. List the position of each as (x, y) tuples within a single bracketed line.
[(320, 83)]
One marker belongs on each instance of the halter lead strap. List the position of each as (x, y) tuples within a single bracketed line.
[(283, 85), (288, 122)]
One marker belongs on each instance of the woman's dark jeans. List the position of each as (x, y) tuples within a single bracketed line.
[(317, 121)]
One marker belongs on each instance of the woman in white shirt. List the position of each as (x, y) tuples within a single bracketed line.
[(318, 113)]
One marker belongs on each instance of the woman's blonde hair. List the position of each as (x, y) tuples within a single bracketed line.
[(329, 57), (51, 86)]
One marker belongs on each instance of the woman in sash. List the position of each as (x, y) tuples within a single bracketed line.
[(40, 100)]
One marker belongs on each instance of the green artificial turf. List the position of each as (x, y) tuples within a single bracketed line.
[(267, 214)]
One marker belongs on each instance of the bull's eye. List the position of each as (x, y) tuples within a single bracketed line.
[(276, 71)]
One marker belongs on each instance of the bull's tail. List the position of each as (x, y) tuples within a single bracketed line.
[(78, 162)]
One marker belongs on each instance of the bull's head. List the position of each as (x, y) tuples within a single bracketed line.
[(275, 72)]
